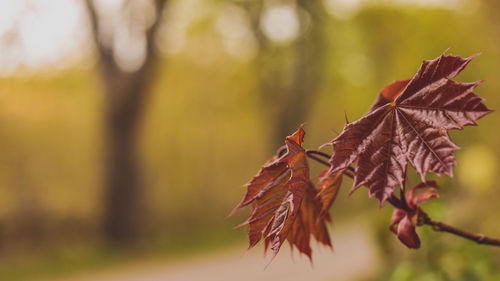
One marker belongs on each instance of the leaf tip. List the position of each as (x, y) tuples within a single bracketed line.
[(298, 136), (474, 56), (325, 144), (233, 211), (242, 224)]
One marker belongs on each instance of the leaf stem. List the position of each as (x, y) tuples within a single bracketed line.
[(394, 201), (312, 154), (317, 152), (403, 201), (282, 150), (347, 173)]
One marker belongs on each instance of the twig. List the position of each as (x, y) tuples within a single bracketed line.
[(347, 173), (312, 154), (317, 152), (280, 151), (403, 201), (476, 237), (401, 204), (105, 52), (394, 201), (443, 227)]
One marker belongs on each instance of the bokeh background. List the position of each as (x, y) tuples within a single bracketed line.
[(127, 129)]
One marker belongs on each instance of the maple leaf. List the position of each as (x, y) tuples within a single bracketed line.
[(283, 201), (409, 123), (329, 185), (309, 221)]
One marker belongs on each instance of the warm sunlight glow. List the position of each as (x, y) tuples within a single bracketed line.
[(280, 23), (234, 27), (343, 9), (36, 34), (39, 32)]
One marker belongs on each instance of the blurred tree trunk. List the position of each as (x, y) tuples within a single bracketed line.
[(125, 95), (289, 91)]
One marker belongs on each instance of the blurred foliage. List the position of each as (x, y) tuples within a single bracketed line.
[(205, 134)]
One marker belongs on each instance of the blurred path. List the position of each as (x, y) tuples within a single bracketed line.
[(354, 257)]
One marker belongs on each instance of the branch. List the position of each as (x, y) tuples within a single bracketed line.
[(151, 54), (476, 237), (312, 154), (104, 52), (320, 153), (443, 227), (398, 203), (141, 78)]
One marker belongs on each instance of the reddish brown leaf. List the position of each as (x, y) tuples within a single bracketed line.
[(424, 195), (280, 195), (309, 221), (389, 93), (403, 225), (407, 234), (397, 216), (411, 126), (404, 222), (329, 185)]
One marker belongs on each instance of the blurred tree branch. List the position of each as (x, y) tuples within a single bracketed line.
[(125, 92), (290, 99)]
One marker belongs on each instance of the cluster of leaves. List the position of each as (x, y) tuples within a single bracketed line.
[(285, 202), (408, 123)]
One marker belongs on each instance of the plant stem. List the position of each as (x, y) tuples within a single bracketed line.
[(320, 153), (443, 227), (403, 201), (312, 154), (394, 201), (476, 237), (398, 203), (280, 151)]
